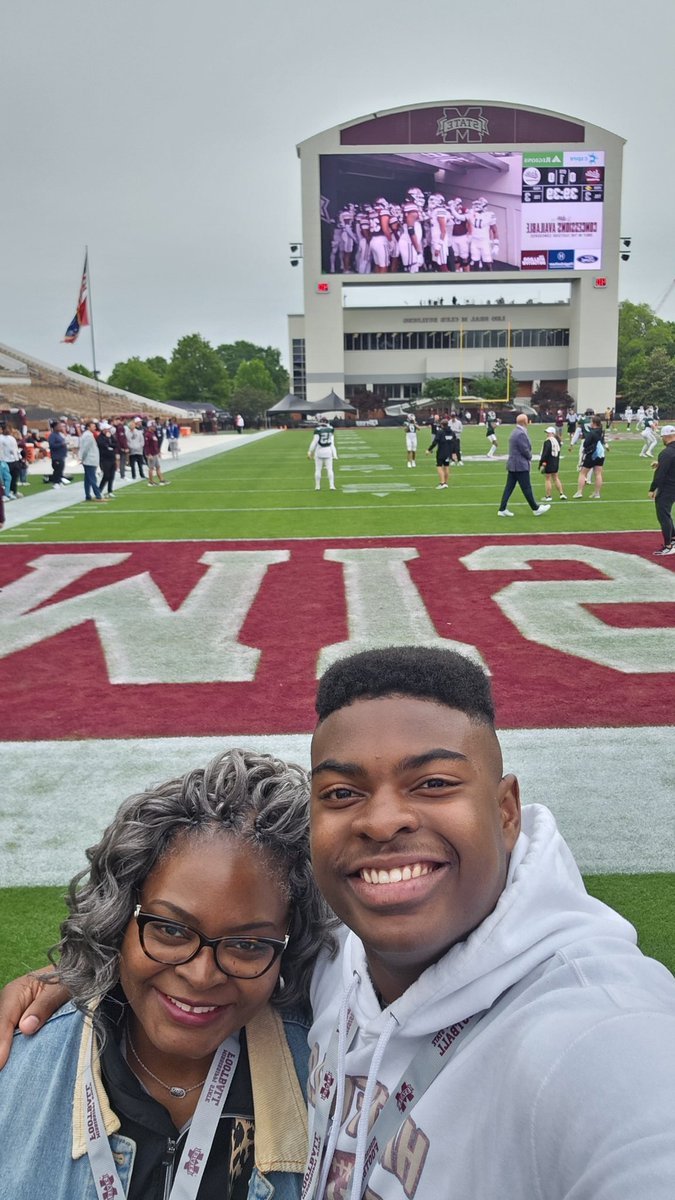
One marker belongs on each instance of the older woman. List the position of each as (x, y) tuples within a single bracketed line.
[(187, 953)]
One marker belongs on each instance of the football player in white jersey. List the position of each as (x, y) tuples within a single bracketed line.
[(380, 243), (459, 234), (363, 261), (344, 241), (322, 450), (410, 241), (395, 226), (438, 231), (411, 428), (483, 235)]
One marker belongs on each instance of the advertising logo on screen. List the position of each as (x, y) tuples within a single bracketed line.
[(561, 260), (533, 260)]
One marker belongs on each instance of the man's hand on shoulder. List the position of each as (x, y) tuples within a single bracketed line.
[(25, 1004)]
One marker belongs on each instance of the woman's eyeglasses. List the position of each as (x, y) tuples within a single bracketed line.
[(166, 941)]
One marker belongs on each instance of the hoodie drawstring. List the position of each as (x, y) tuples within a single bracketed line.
[(340, 1089), (371, 1084)]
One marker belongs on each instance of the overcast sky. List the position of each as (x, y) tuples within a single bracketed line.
[(163, 134)]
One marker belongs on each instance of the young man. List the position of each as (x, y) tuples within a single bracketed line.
[(498, 1026)]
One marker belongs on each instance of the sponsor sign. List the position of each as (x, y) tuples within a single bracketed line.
[(533, 260), (561, 260), (195, 639)]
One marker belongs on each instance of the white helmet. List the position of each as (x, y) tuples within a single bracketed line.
[(480, 204)]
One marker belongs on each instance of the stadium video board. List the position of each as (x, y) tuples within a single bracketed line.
[(462, 212)]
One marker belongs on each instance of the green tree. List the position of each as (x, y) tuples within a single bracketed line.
[(441, 389), (79, 369), (650, 378), (196, 373), (233, 354), (253, 389), (489, 387), (640, 332), (134, 375), (157, 364)]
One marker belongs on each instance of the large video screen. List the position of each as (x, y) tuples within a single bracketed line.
[(463, 212)]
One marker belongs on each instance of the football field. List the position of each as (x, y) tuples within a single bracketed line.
[(142, 635)]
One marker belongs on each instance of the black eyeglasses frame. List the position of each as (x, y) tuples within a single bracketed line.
[(143, 918)]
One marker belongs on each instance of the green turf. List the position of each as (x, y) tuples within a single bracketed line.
[(30, 918), (266, 490)]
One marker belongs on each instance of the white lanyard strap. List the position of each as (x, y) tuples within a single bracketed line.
[(420, 1073), (325, 1096), (199, 1139), (413, 1083)]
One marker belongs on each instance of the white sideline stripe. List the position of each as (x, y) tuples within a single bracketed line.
[(358, 537), (610, 789)]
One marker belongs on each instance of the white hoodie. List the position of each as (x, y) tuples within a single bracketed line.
[(564, 1088)]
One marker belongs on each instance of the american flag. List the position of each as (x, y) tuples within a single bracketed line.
[(82, 312)]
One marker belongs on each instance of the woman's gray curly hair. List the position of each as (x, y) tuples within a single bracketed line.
[(255, 797)]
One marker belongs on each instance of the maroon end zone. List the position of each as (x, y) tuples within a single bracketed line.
[(78, 671)]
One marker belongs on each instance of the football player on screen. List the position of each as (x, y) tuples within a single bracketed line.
[(438, 232), (483, 235), (459, 234)]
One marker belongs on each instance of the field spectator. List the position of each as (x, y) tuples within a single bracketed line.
[(152, 456), (173, 436), (136, 440), (455, 426), (663, 490), (239, 423), (10, 462), (445, 442), (90, 459), (549, 463), (518, 469), (593, 459), (122, 445), (107, 450), (58, 449)]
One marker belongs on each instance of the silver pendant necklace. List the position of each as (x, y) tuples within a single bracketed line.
[(177, 1092)]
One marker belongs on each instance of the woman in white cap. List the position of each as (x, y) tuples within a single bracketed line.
[(549, 463)]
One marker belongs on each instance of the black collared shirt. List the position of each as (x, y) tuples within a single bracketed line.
[(159, 1144)]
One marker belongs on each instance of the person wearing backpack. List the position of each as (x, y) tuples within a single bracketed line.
[(593, 459)]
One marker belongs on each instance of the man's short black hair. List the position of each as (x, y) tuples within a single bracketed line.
[(442, 676)]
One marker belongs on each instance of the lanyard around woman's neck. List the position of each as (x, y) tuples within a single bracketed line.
[(199, 1138)]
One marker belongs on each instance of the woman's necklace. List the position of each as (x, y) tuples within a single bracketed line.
[(177, 1092)]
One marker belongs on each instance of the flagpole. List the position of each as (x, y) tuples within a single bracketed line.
[(91, 328)]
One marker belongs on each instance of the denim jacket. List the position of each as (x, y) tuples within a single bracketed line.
[(42, 1148)]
